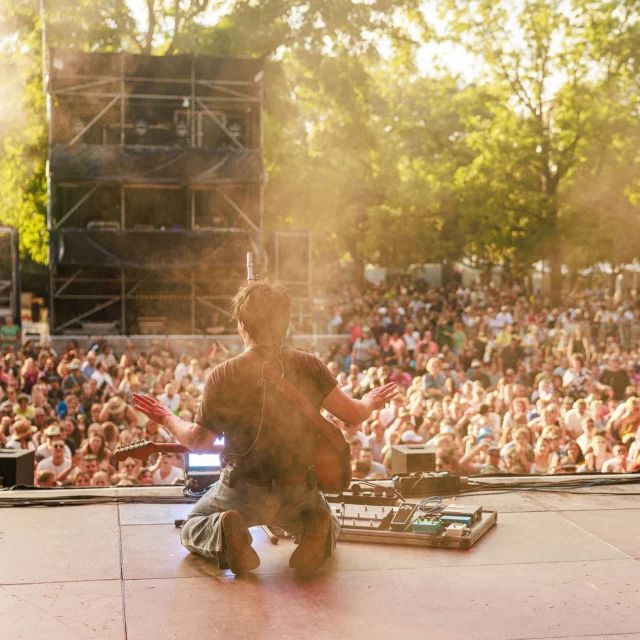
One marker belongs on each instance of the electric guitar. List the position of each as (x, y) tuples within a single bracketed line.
[(142, 449)]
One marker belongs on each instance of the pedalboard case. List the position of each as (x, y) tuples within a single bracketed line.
[(454, 527)]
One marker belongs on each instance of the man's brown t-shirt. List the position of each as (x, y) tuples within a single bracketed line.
[(232, 405)]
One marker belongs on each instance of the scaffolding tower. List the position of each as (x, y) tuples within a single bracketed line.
[(10, 275), (155, 182)]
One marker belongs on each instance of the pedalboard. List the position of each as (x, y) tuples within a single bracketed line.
[(405, 524)]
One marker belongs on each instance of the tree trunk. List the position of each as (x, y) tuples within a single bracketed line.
[(555, 264), (485, 274)]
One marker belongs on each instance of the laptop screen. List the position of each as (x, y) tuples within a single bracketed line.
[(203, 461)]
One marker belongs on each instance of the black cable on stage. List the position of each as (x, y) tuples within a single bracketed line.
[(475, 488)]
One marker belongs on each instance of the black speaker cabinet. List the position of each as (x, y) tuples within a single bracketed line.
[(16, 467), (407, 458)]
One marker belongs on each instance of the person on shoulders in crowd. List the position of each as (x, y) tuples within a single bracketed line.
[(9, 335)]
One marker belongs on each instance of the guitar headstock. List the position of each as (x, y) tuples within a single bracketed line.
[(140, 449)]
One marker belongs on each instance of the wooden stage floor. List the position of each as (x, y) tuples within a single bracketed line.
[(556, 566)]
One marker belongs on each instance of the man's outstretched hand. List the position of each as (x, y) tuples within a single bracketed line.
[(151, 408), (378, 397)]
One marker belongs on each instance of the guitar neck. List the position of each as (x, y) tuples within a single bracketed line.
[(142, 450), (180, 448), (170, 447)]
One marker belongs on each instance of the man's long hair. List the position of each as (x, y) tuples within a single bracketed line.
[(264, 310)]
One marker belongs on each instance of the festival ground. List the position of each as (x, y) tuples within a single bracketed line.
[(558, 565)]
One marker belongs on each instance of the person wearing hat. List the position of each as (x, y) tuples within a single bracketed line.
[(116, 410), (22, 435), (478, 374), (73, 382), (23, 409), (492, 461), (45, 450), (485, 434)]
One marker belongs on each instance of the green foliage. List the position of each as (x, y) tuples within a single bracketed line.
[(531, 154), (560, 73)]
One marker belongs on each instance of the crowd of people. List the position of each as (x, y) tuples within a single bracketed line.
[(74, 409), (497, 380)]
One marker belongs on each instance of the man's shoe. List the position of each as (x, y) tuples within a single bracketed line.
[(241, 556), (310, 554)]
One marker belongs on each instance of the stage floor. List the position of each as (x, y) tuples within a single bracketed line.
[(556, 566)]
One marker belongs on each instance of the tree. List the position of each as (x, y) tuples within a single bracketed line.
[(317, 120), (556, 91)]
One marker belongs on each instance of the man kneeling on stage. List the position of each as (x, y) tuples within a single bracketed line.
[(270, 444)]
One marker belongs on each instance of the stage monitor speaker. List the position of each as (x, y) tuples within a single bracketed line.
[(407, 458), (16, 467)]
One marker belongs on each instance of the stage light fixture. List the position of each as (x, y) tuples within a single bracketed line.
[(235, 128), (141, 127), (77, 125), (182, 131)]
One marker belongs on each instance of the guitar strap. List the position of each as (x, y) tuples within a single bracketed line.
[(296, 397)]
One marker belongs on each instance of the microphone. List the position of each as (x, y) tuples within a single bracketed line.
[(250, 277)]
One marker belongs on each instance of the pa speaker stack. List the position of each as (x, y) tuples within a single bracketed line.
[(16, 467), (409, 458)]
